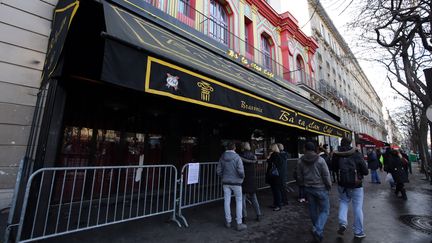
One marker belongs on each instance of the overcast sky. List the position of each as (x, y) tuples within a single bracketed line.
[(341, 12)]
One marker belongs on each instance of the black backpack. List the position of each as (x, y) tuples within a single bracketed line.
[(348, 177)]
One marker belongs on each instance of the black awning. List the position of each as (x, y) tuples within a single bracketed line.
[(175, 67)]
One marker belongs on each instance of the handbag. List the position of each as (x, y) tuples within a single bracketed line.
[(274, 171), (389, 178)]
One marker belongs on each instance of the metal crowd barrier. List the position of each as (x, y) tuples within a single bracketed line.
[(260, 174), (206, 190), (59, 200)]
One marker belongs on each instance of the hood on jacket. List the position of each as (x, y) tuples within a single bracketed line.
[(310, 157), (345, 151), (228, 155)]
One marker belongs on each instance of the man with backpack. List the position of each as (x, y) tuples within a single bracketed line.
[(351, 169)]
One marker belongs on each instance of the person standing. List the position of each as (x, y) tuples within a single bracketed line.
[(274, 165), (284, 173), (314, 175), (249, 184), (351, 169), (230, 168), (325, 155), (373, 165)]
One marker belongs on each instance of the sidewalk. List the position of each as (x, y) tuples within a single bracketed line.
[(292, 224)]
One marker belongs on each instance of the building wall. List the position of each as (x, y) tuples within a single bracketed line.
[(356, 101), (25, 26)]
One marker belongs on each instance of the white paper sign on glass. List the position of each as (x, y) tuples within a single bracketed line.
[(193, 173)]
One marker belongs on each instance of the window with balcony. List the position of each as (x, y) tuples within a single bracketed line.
[(219, 22), (266, 49), (301, 70), (186, 12), (249, 38)]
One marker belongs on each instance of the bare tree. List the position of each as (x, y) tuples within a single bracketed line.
[(400, 31)]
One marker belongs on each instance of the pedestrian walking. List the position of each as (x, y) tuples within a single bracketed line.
[(314, 175), (332, 171), (386, 161), (249, 184), (301, 192), (406, 163), (325, 155), (396, 168), (274, 166), (230, 168), (284, 173), (373, 165), (351, 169)]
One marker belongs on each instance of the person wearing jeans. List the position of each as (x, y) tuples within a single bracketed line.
[(346, 195), (237, 190), (373, 164), (319, 208), (351, 188), (230, 168), (314, 175)]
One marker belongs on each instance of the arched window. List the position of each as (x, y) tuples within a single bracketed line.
[(301, 71), (266, 49), (218, 22)]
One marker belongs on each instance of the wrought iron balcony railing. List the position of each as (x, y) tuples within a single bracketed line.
[(237, 47)]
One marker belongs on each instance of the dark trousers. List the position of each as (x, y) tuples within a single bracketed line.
[(302, 194), (400, 188), (284, 194), (277, 195)]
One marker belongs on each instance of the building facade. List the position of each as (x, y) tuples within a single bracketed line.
[(339, 78), (100, 103), (25, 27), (394, 136)]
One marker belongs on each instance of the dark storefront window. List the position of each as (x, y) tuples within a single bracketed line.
[(82, 147)]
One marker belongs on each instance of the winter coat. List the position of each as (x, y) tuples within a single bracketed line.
[(284, 168), (312, 171), (230, 168), (395, 167), (326, 158), (249, 163), (276, 160), (372, 160), (351, 153)]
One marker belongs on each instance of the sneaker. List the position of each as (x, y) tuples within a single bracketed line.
[(241, 227), (342, 229), (228, 224), (276, 209), (258, 218), (361, 235)]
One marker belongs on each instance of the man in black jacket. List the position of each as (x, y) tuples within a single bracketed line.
[(350, 189)]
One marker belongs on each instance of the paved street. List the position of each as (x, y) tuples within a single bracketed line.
[(381, 208)]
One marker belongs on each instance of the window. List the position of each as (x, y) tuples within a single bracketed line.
[(184, 7), (218, 22), (300, 67), (249, 38), (266, 50), (186, 12)]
